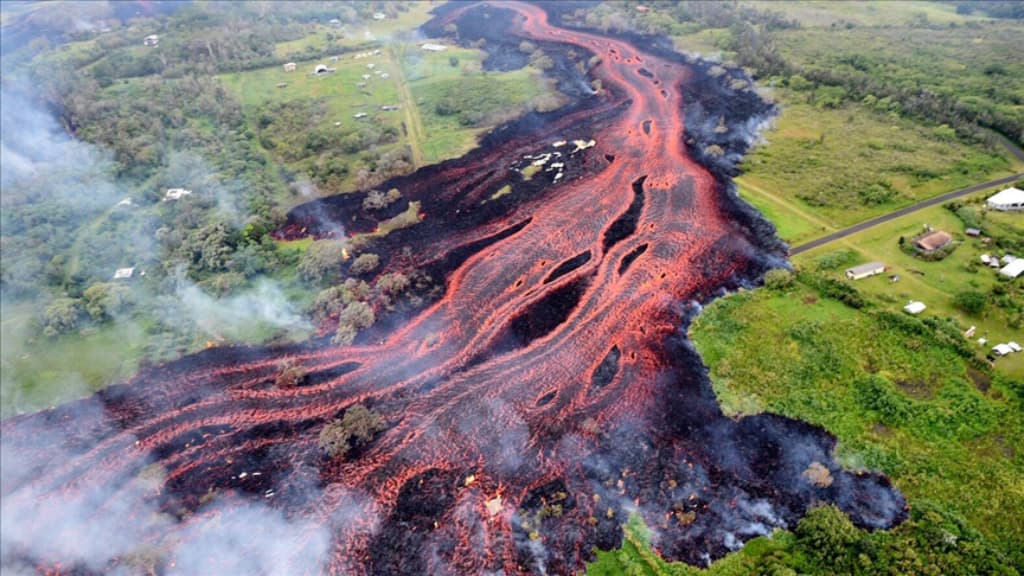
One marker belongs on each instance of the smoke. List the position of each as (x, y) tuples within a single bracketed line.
[(113, 523), (263, 305)]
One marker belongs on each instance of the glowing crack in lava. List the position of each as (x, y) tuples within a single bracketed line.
[(548, 394)]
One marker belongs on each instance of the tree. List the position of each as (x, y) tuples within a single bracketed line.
[(61, 316), (320, 263), (970, 301), (104, 300), (365, 263)]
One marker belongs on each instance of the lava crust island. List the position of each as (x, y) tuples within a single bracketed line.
[(547, 394)]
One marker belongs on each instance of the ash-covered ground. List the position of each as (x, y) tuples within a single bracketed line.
[(547, 393)]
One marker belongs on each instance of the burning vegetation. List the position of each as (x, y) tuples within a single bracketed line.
[(522, 414)]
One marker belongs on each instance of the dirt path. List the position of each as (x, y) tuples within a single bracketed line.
[(902, 212), (413, 122)]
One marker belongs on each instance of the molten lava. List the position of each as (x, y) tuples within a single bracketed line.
[(545, 396)]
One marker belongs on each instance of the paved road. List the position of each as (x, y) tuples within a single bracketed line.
[(901, 212)]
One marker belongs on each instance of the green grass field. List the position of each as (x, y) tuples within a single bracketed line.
[(824, 169), (942, 431), (825, 13)]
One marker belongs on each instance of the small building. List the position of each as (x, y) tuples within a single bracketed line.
[(176, 194), (334, 22), (642, 8), (320, 69), (282, 84), (431, 47), (378, 16), (1014, 346), (289, 67), (914, 307), (1007, 200), (985, 258), (125, 202), (865, 270), (124, 273), (359, 115), (1007, 258), (1013, 269), (975, 232), (151, 40), (970, 332), (384, 75), (933, 241), (1002, 349)]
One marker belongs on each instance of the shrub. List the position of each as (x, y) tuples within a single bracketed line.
[(320, 263), (61, 316), (970, 301), (778, 279), (291, 375), (365, 263), (357, 427)]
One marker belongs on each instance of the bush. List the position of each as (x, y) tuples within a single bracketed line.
[(105, 299), (291, 375), (365, 263), (778, 279), (357, 427), (970, 301)]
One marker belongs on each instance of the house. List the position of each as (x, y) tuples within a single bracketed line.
[(970, 332), (914, 307), (1014, 346), (1006, 259), (1006, 200), (933, 241), (334, 22), (282, 84), (985, 259), (151, 40), (322, 69), (359, 115), (431, 47), (176, 194), (289, 67), (124, 273), (1013, 269), (973, 232), (865, 270), (125, 202), (642, 8), (378, 16)]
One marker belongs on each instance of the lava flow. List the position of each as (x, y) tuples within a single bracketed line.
[(544, 397)]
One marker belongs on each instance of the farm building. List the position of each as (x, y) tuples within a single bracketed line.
[(1013, 269), (865, 270), (933, 241), (1009, 199), (289, 67), (124, 273), (914, 307), (973, 232), (430, 47), (322, 69), (378, 16), (151, 40)]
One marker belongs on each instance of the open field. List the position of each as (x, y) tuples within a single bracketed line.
[(825, 169), (356, 34), (824, 14)]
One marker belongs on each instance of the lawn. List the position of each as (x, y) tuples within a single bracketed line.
[(934, 283), (822, 169)]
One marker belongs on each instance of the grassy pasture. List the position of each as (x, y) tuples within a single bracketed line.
[(825, 169)]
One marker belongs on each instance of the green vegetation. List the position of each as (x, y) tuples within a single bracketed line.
[(357, 427), (842, 165)]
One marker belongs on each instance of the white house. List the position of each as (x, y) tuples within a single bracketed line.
[(378, 16), (1013, 269), (289, 67), (1002, 349), (431, 47), (176, 194), (124, 273), (151, 40), (865, 270), (1009, 199), (914, 307)]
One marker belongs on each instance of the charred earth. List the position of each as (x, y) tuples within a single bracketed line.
[(544, 396)]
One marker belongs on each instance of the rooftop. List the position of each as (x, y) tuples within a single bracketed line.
[(934, 240), (1009, 196)]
